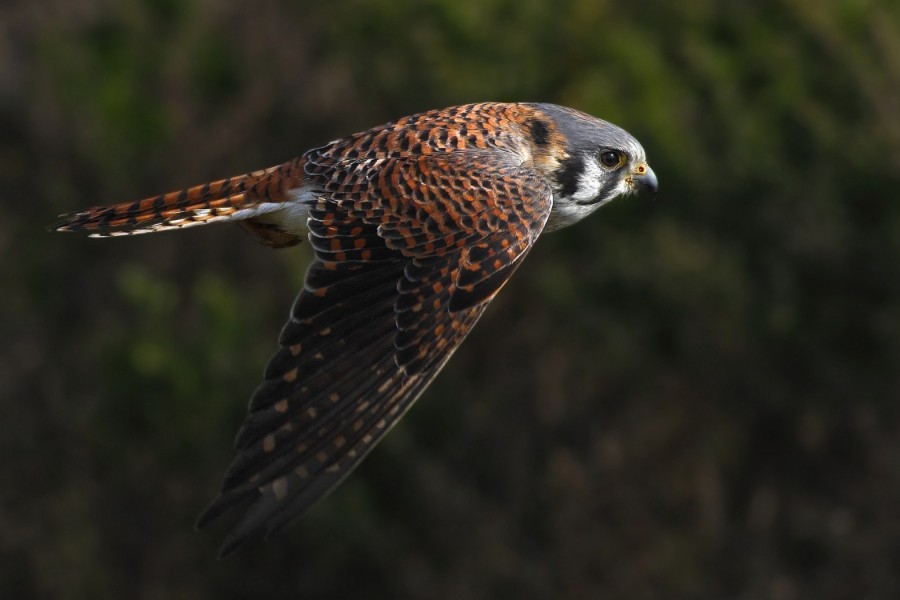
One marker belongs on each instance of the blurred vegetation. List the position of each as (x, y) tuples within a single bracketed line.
[(694, 397)]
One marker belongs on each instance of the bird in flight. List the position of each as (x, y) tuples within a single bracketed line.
[(415, 226)]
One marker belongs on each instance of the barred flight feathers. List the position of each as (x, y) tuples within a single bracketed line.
[(367, 335)]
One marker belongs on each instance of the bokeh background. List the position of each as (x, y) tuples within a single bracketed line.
[(692, 397)]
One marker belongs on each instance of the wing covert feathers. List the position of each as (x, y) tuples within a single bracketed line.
[(408, 253)]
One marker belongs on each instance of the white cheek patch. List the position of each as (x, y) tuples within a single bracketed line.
[(590, 182), (584, 200), (581, 203)]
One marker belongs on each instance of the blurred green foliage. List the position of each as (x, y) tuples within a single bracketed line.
[(693, 397)]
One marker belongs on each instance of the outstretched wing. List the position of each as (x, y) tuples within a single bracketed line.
[(409, 250)]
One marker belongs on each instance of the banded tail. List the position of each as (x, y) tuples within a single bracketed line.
[(242, 198)]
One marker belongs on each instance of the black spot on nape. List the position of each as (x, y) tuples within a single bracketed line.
[(567, 176), (540, 133)]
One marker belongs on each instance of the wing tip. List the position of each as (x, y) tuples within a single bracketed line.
[(238, 535), (231, 545)]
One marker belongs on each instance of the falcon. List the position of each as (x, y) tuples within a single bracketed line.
[(415, 226)]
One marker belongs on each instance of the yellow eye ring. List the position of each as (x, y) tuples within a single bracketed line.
[(612, 159)]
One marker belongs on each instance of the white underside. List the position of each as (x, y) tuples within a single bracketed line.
[(290, 216)]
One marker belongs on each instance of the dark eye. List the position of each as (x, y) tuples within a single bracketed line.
[(612, 159)]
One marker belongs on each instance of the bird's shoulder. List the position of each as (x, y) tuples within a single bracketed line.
[(519, 133)]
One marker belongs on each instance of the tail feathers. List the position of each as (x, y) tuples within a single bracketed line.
[(232, 199)]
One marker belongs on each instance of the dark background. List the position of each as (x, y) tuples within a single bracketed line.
[(697, 396)]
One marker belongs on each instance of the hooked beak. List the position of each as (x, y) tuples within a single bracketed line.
[(644, 179)]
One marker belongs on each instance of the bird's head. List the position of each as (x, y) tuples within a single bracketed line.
[(597, 162)]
